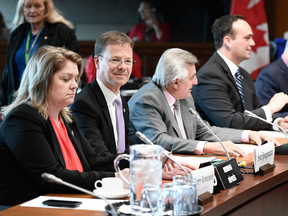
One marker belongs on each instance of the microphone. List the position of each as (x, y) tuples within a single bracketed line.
[(142, 137), (53, 179), (195, 114), (279, 150), (228, 172)]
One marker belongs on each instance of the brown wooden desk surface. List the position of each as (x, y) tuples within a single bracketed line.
[(256, 195)]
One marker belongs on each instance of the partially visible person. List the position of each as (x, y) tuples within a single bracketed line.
[(225, 90), (96, 106), (151, 29), (273, 79), (39, 134), (160, 110), (4, 32), (36, 23)]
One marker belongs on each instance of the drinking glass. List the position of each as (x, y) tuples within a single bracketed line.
[(168, 197), (150, 202)]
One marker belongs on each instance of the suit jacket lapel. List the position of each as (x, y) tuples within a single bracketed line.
[(47, 35), (168, 111), (232, 79), (102, 102), (57, 146), (225, 68), (186, 118), (284, 68)]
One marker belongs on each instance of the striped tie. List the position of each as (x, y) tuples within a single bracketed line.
[(240, 87)]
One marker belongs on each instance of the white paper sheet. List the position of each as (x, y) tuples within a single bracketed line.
[(247, 148), (195, 160), (87, 203), (274, 134)]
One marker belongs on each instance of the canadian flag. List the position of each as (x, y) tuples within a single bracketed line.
[(255, 15)]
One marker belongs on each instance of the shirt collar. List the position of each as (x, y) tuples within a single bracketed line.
[(284, 59), (232, 67), (108, 94), (171, 100)]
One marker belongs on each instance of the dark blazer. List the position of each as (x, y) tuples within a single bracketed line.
[(58, 35), (91, 110), (271, 80), (218, 101), (151, 114), (29, 147)]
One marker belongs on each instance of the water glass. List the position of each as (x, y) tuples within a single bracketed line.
[(150, 202), (168, 197), (179, 179), (186, 200)]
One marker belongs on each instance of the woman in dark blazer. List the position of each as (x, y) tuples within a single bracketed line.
[(35, 21), (39, 134)]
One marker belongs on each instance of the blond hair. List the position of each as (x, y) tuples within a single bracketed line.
[(53, 15), (44, 63)]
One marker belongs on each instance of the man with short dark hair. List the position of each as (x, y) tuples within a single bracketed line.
[(224, 89)]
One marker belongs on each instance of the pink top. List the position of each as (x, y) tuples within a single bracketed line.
[(70, 155)]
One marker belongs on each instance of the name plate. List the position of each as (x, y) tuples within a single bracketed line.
[(263, 154), (205, 179), (228, 174)]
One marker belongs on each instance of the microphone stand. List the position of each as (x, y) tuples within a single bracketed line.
[(195, 114), (53, 179), (146, 140), (280, 150), (228, 172)]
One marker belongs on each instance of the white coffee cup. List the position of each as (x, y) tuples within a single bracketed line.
[(110, 185)]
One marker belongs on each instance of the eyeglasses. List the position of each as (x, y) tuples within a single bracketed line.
[(117, 61)]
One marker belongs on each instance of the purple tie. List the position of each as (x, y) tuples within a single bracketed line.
[(121, 126)]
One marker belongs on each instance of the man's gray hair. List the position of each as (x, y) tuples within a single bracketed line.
[(173, 65)]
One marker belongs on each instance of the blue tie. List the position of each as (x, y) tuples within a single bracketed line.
[(240, 87)]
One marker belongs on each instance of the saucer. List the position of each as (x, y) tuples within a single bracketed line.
[(122, 194)]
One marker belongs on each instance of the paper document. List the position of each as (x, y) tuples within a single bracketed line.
[(196, 160), (87, 203), (247, 148), (274, 134)]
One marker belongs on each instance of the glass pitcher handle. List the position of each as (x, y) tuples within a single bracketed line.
[(117, 168)]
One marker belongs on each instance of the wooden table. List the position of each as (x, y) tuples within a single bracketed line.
[(255, 195)]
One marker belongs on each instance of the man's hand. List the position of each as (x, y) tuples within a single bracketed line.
[(170, 169), (277, 102), (258, 138), (283, 123), (126, 173), (216, 148)]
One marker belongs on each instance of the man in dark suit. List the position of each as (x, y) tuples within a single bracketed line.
[(217, 96), (95, 106), (273, 79)]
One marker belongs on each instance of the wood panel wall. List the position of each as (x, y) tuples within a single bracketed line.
[(150, 52)]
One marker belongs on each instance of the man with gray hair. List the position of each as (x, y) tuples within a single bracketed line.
[(159, 110)]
